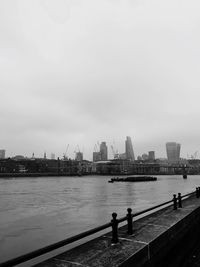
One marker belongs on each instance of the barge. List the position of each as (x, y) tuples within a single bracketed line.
[(133, 179)]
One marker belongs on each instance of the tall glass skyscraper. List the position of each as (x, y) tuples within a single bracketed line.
[(103, 151), (173, 151), (129, 149)]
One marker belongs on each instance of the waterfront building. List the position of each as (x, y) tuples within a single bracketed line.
[(129, 149), (151, 155), (2, 153), (79, 156), (104, 151), (173, 151)]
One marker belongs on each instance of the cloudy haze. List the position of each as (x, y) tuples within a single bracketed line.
[(77, 72)]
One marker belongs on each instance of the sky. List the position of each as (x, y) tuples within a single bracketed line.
[(80, 72)]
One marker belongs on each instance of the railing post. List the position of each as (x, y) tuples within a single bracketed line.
[(175, 202), (179, 200), (114, 222), (130, 221)]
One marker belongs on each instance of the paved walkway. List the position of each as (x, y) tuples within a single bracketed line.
[(152, 234)]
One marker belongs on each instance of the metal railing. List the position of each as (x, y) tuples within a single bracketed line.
[(176, 202)]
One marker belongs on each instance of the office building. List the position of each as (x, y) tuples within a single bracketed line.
[(104, 151), (151, 155), (129, 149), (2, 153), (173, 151)]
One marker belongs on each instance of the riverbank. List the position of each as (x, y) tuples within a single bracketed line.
[(50, 174)]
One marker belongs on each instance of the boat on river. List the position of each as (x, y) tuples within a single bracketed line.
[(133, 179)]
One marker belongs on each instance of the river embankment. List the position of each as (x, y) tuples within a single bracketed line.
[(164, 238)]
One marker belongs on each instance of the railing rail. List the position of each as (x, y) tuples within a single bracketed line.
[(114, 224)]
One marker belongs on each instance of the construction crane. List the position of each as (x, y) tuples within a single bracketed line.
[(65, 154), (98, 145), (77, 149), (115, 152), (195, 155), (96, 149)]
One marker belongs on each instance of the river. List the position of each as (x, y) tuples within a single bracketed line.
[(35, 212)]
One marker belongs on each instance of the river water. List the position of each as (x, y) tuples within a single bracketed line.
[(35, 212)]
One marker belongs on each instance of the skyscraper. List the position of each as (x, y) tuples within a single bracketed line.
[(173, 151), (151, 155), (129, 149), (2, 153), (104, 151)]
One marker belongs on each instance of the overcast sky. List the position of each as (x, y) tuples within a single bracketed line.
[(80, 71)]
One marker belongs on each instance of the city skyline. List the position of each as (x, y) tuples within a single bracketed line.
[(103, 152), (71, 150), (74, 72)]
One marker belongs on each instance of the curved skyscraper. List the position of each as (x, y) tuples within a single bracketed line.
[(129, 149), (173, 151)]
